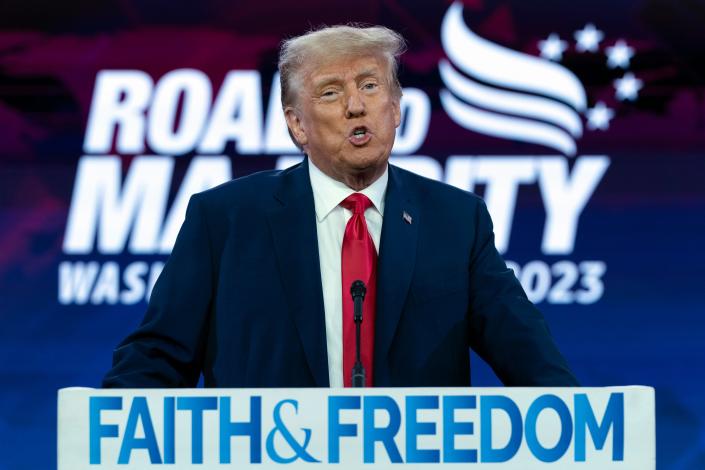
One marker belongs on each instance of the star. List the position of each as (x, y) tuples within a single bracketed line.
[(628, 87), (553, 47), (588, 38), (599, 117), (619, 55)]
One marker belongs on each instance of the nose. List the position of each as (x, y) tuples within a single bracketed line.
[(355, 105)]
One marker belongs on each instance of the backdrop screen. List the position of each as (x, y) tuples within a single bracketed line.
[(581, 124)]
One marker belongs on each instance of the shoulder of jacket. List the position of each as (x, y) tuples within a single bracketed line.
[(429, 189)]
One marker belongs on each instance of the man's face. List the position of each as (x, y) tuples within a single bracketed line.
[(345, 118)]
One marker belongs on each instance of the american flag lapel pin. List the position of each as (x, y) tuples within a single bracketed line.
[(407, 218)]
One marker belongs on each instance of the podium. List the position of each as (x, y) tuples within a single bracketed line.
[(372, 428)]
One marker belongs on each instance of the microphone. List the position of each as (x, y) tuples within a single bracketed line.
[(358, 291)]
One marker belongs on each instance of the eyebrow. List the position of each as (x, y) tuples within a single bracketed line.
[(331, 79)]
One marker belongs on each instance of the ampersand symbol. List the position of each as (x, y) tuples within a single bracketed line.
[(279, 427)]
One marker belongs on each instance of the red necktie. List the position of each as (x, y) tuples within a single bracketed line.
[(359, 262)]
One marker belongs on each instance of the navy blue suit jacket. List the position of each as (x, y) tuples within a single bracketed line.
[(240, 298)]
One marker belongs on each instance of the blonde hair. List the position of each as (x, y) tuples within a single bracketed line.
[(337, 41)]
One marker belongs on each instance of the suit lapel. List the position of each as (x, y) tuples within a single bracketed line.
[(397, 256), (293, 226)]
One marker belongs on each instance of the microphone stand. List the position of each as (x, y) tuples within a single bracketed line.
[(358, 291)]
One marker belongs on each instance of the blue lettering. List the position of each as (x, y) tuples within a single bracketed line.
[(197, 405), (299, 448), (336, 430), (384, 435), (251, 428), (415, 428), (139, 411), (556, 452), (169, 429), (613, 418), (498, 402), (452, 428), (97, 431)]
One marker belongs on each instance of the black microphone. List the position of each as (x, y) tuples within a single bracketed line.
[(358, 291)]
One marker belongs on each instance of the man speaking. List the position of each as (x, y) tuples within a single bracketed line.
[(257, 291)]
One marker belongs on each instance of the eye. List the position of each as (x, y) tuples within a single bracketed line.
[(329, 94), (370, 86)]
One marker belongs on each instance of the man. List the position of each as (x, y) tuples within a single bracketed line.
[(256, 292)]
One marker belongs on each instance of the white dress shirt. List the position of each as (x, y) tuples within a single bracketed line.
[(331, 219)]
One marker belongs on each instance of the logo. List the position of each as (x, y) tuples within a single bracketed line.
[(500, 92), (542, 100)]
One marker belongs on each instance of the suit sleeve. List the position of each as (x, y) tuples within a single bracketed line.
[(506, 329), (167, 348)]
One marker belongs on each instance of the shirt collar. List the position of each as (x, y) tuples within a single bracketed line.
[(329, 193)]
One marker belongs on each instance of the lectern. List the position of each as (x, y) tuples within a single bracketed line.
[(371, 428)]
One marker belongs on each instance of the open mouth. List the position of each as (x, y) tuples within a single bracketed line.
[(359, 136)]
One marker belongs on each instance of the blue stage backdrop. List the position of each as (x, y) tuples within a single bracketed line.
[(582, 124)]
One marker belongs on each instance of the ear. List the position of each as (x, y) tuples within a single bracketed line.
[(293, 121), (397, 111)]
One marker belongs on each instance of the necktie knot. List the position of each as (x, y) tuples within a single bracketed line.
[(357, 203)]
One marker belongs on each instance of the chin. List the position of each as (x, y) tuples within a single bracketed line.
[(366, 158), (366, 165)]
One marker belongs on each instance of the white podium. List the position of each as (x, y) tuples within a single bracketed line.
[(374, 428)]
